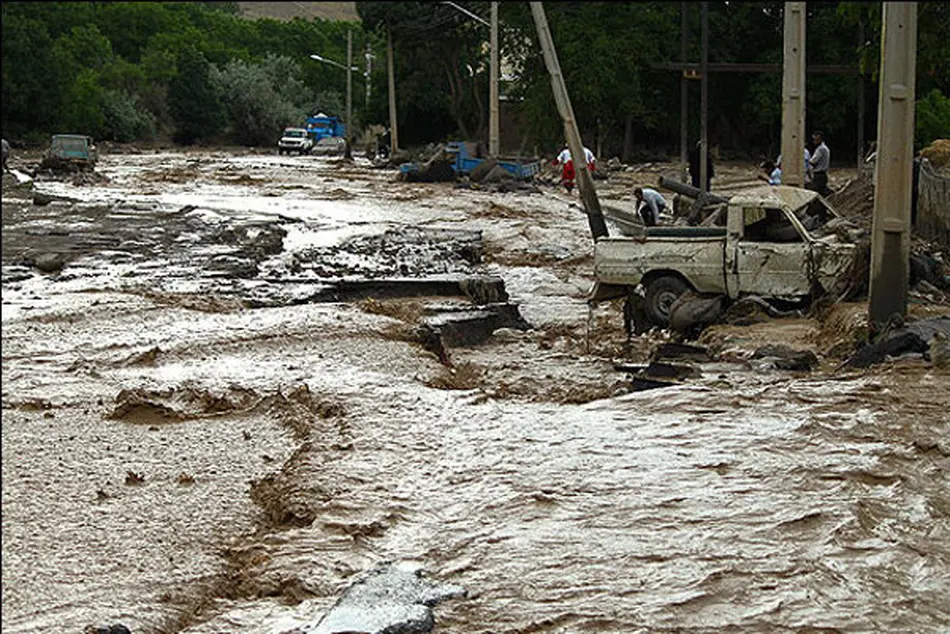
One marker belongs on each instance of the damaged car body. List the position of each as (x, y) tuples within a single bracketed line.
[(778, 243)]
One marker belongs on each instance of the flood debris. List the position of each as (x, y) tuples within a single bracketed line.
[(783, 357), (900, 338), (116, 628), (392, 598)]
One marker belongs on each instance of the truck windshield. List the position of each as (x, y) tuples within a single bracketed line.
[(295, 133), (70, 144)]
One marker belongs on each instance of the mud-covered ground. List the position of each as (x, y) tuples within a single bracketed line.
[(196, 440)]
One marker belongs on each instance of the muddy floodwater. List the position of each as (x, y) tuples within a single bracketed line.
[(200, 437)]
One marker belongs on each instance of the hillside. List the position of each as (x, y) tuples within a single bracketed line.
[(342, 11)]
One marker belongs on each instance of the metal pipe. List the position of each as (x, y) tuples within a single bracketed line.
[(688, 190)]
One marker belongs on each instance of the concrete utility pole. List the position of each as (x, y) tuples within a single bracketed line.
[(494, 140), (684, 101), (793, 96), (890, 237), (349, 95), (861, 100), (585, 184), (704, 70), (394, 138)]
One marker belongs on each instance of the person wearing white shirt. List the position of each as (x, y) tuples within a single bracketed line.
[(566, 162), (772, 173), (820, 161), (650, 204)]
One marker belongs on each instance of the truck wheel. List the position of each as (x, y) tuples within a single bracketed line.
[(660, 295)]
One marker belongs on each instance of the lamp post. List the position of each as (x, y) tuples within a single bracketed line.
[(493, 110), (349, 85)]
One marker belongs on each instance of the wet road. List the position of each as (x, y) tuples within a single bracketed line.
[(288, 447)]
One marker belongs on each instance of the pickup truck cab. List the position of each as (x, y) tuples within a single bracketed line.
[(295, 140), (73, 147), (777, 242)]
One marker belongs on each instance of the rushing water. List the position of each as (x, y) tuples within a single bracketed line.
[(744, 501)]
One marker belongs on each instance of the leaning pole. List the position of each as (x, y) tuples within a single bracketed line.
[(585, 184)]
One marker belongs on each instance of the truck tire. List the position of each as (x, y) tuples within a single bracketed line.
[(660, 295)]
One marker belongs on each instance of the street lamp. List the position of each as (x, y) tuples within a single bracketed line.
[(349, 68)]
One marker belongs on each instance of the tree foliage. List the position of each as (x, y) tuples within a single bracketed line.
[(124, 70)]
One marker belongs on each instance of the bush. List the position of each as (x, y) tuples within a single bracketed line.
[(124, 122), (933, 118), (262, 99)]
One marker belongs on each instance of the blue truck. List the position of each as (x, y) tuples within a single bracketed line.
[(464, 163), (321, 126)]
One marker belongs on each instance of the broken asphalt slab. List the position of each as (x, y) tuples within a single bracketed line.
[(393, 598)]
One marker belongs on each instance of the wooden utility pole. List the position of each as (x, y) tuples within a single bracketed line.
[(684, 101), (793, 96), (390, 65), (704, 70), (585, 184), (494, 140), (890, 237), (349, 95)]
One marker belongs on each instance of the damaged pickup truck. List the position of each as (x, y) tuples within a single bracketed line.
[(778, 243)]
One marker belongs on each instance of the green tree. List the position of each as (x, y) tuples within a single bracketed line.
[(193, 101), (933, 118), (261, 99)]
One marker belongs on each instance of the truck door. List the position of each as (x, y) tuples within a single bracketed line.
[(771, 258)]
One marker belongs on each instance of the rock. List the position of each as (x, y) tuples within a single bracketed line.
[(785, 358), (116, 628), (394, 598), (49, 262), (939, 350)]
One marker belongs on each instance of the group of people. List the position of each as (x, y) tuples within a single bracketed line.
[(816, 167), (650, 203)]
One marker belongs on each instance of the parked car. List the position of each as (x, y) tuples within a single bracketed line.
[(295, 140), (780, 243)]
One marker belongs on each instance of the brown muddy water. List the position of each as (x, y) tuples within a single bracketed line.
[(191, 445)]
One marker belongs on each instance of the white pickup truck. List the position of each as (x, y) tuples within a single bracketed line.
[(778, 242), (295, 140)]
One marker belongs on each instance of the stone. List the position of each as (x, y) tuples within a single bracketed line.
[(393, 598)]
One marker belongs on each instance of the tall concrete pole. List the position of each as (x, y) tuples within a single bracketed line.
[(704, 71), (585, 184), (793, 96), (394, 137), (684, 101), (494, 140), (349, 95), (890, 237)]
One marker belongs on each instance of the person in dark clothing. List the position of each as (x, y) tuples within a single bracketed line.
[(694, 167), (383, 143)]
